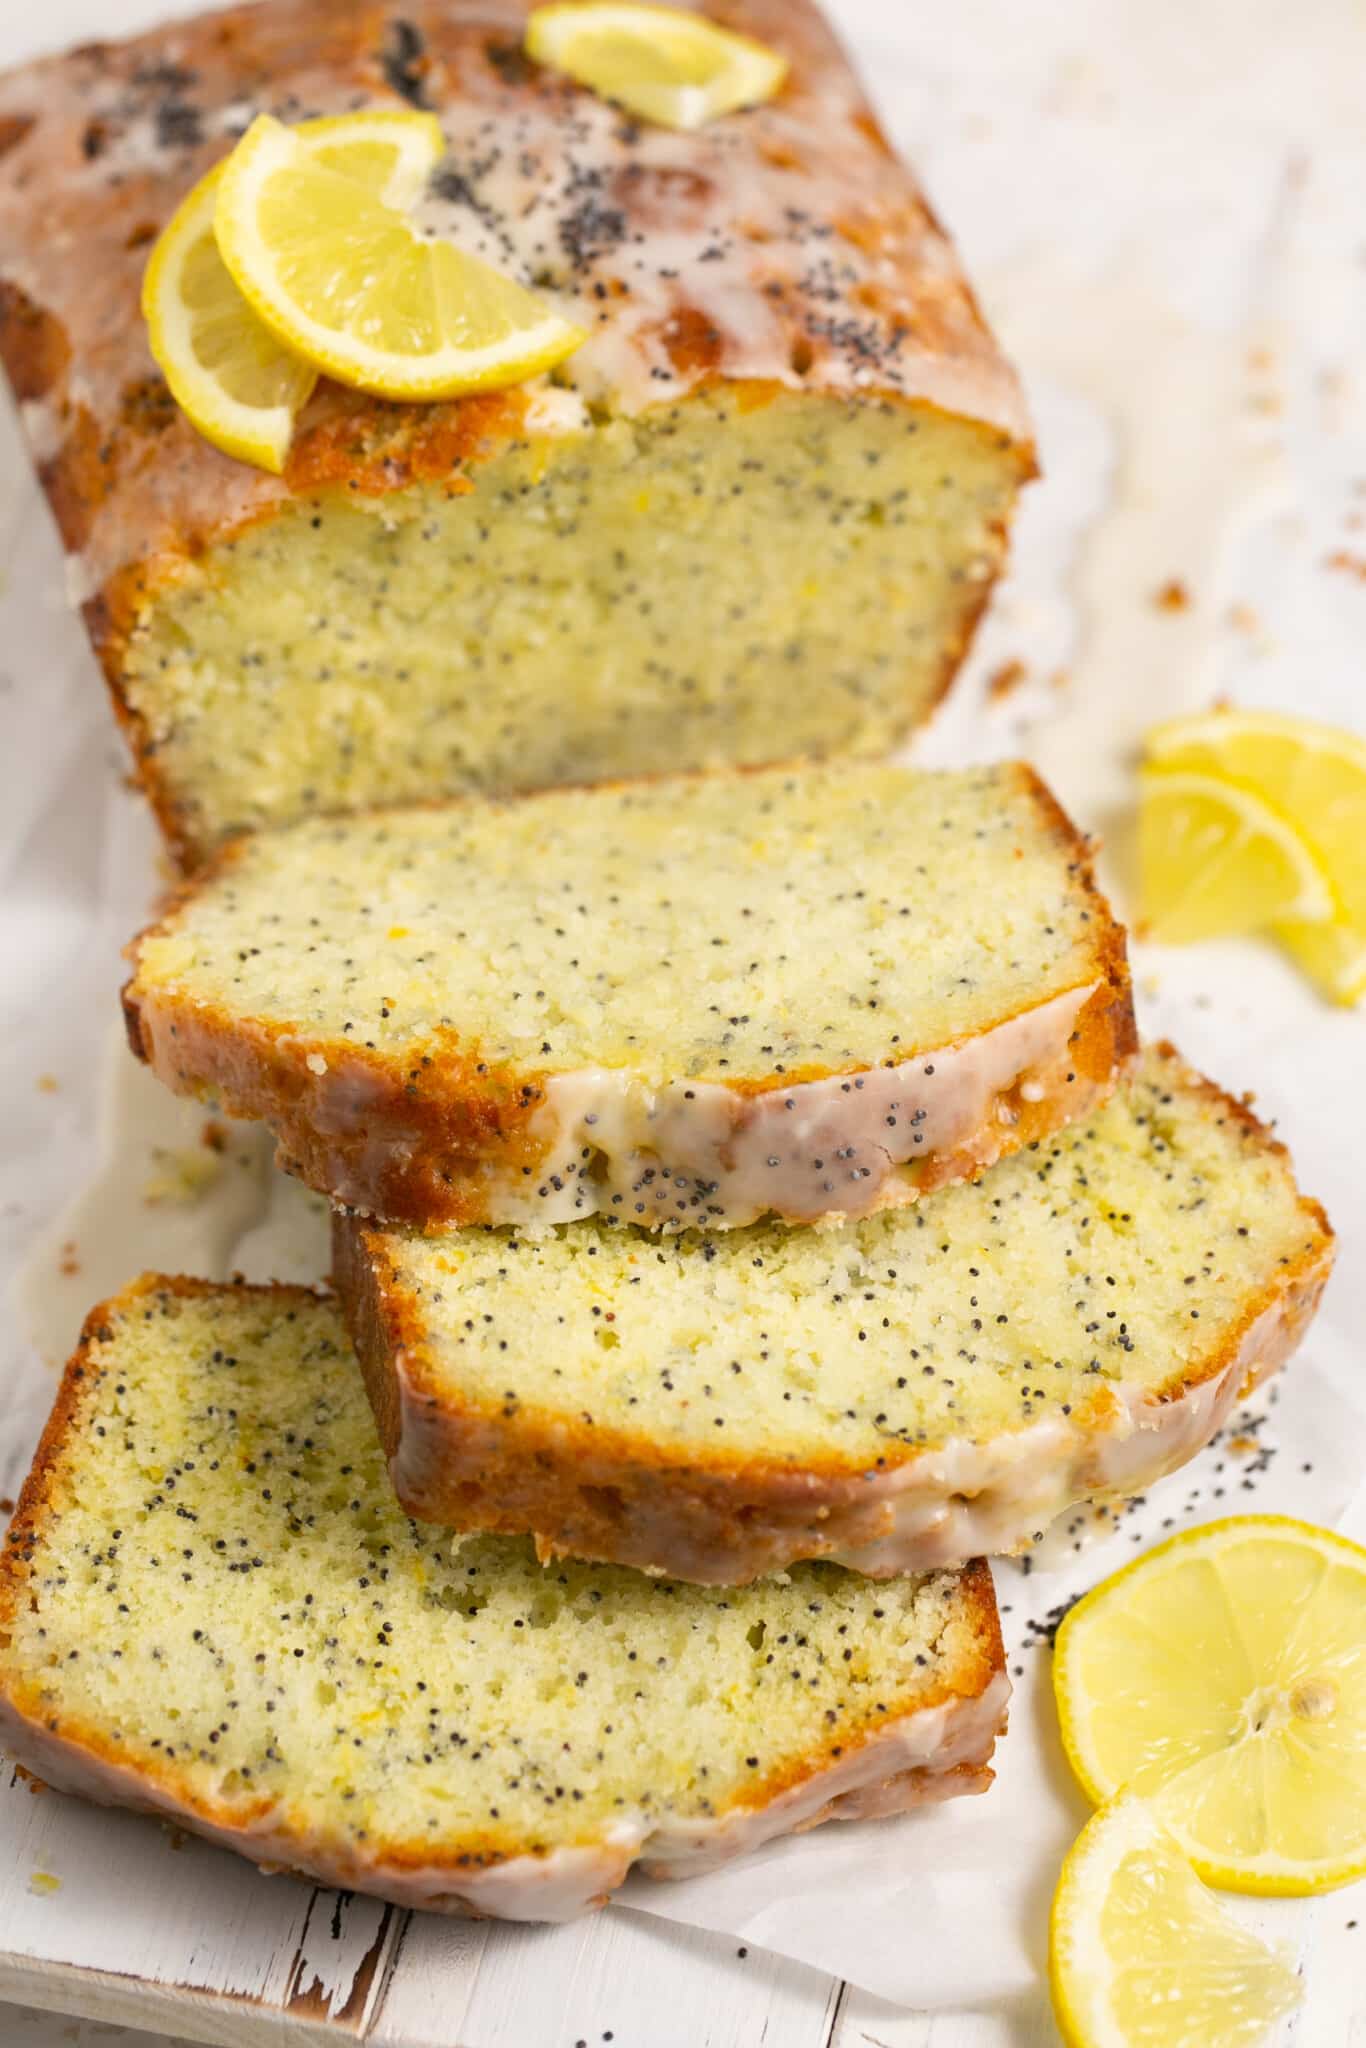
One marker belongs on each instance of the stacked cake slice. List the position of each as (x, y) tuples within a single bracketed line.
[(899, 1394), (749, 1209), (811, 992)]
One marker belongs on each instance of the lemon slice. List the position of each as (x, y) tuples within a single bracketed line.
[(1314, 776), (1223, 1677), (1214, 859), (227, 372), (350, 285), (677, 69), (225, 369), (1140, 1955)]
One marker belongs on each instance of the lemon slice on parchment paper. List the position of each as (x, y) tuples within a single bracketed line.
[(1222, 1677)]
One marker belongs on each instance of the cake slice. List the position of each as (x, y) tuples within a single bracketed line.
[(757, 514), (900, 1393), (808, 991), (211, 1608)]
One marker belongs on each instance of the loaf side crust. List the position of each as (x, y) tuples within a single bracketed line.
[(440, 1136), (940, 1745), (718, 1519), (97, 147)]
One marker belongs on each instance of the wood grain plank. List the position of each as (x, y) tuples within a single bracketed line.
[(866, 2022), (217, 2018), (117, 1898), (28, 2027), (616, 1980)]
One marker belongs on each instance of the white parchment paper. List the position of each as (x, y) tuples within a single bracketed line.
[(1162, 208)]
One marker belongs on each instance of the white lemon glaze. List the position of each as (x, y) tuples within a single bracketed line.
[(682, 1152)]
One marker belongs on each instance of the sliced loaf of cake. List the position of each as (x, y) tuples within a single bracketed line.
[(211, 1608), (901, 1392), (757, 514), (807, 991)]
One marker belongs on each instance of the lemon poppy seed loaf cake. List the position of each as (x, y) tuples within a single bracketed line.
[(211, 1608), (756, 515), (812, 991), (901, 1392)]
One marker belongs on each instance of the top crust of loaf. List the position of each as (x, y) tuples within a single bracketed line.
[(974, 995), (925, 1729), (832, 276)]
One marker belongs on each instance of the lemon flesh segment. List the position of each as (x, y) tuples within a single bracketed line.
[(1332, 955), (1214, 860), (1142, 1956), (1314, 777), (348, 284), (391, 153), (676, 69), (226, 370), (1222, 1677)]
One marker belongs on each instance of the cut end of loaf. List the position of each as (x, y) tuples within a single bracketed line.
[(830, 558)]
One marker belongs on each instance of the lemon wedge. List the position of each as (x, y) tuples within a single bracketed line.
[(1332, 955), (350, 285), (1314, 777), (1215, 859), (1222, 1677), (1140, 1955), (225, 369), (679, 70)]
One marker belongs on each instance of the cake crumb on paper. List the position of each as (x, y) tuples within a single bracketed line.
[(1005, 678)]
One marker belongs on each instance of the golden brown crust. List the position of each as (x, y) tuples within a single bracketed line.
[(426, 1134), (948, 1724), (98, 147), (718, 1517)]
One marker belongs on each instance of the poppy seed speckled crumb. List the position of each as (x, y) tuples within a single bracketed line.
[(815, 990), (211, 1606), (758, 512), (900, 1392)]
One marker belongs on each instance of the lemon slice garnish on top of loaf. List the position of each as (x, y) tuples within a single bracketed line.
[(675, 68), (351, 285), (227, 371)]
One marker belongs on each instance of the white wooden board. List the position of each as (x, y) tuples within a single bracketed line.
[(1164, 410)]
